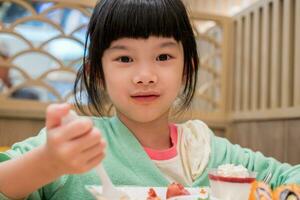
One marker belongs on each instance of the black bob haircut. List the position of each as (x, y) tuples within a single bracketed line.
[(115, 19)]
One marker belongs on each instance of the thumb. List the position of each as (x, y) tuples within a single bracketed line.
[(54, 114)]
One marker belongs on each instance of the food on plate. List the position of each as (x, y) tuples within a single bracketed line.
[(173, 190), (287, 192), (260, 191), (203, 194), (152, 195), (176, 189), (156, 193), (125, 198), (231, 182), (230, 170)]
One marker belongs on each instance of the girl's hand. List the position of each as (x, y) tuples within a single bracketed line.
[(75, 147)]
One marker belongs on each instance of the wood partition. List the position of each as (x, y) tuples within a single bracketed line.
[(223, 7), (267, 65), (214, 36), (265, 106)]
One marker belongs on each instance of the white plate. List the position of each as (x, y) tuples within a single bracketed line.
[(141, 193)]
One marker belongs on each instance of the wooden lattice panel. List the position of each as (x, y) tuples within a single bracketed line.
[(43, 45), (209, 39)]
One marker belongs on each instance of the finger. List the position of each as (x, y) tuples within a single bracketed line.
[(95, 161), (54, 114), (88, 140), (93, 151), (78, 128)]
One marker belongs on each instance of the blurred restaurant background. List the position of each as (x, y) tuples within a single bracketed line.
[(249, 78)]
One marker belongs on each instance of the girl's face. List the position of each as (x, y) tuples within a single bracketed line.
[(143, 76)]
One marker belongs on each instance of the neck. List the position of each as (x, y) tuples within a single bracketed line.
[(154, 134)]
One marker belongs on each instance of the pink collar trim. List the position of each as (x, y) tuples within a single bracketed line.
[(167, 153)]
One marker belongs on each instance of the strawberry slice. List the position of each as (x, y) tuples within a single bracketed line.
[(152, 195), (176, 189)]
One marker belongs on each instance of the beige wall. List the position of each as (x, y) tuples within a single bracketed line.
[(276, 138), (14, 130)]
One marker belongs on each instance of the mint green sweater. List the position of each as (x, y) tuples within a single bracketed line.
[(128, 164)]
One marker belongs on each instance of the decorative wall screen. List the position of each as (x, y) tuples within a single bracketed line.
[(42, 46), (213, 40), (209, 39)]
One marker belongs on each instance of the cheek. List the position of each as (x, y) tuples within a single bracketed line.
[(179, 77), (116, 86), (111, 74), (113, 86), (173, 83)]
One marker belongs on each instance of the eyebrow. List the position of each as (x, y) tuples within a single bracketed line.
[(118, 47), (124, 47), (168, 44)]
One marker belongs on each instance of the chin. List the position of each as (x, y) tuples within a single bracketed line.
[(145, 117)]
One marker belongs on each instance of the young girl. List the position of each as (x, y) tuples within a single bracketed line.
[(142, 55)]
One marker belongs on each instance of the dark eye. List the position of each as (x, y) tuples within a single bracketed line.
[(125, 59), (163, 57)]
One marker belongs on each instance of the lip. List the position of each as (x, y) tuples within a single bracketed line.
[(145, 97)]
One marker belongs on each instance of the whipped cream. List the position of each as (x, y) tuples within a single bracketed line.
[(230, 170)]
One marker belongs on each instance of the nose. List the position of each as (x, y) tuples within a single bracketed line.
[(145, 76)]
